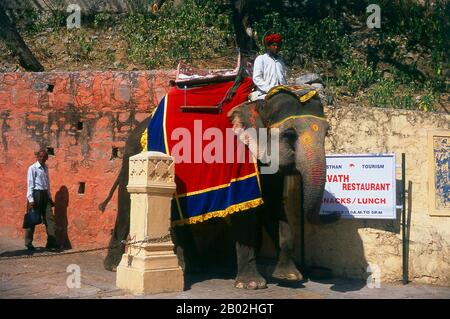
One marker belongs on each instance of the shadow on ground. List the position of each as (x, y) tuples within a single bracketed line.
[(26, 252), (23, 252), (343, 285), (193, 278)]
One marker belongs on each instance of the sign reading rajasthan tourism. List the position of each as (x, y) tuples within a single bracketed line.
[(360, 186)]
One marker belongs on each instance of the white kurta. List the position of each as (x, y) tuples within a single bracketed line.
[(37, 179), (267, 73)]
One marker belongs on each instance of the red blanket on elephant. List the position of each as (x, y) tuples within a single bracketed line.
[(215, 174)]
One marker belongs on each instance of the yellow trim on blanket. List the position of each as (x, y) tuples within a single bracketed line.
[(220, 213), (164, 124), (302, 98), (296, 117), (166, 98), (154, 111), (219, 186), (144, 141), (307, 96), (144, 137), (180, 212), (255, 162)]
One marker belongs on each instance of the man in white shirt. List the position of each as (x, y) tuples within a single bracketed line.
[(268, 69), (40, 199)]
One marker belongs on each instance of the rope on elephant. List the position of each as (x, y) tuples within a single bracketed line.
[(160, 239), (230, 94)]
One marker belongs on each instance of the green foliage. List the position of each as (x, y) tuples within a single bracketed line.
[(323, 39), (424, 25), (195, 30), (138, 6), (57, 19), (355, 75), (30, 21), (428, 99), (320, 35), (26, 19), (110, 55), (403, 77), (388, 93), (101, 19), (407, 26), (427, 24), (328, 40), (80, 45)]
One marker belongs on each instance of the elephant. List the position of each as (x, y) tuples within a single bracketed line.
[(302, 130)]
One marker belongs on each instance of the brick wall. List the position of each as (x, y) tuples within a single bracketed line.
[(82, 116)]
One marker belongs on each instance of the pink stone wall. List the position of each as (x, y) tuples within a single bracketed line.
[(44, 110)]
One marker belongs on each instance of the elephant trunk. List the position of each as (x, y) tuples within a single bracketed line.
[(310, 162)]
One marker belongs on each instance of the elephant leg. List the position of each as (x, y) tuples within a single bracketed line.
[(186, 249), (286, 268), (275, 222), (244, 228)]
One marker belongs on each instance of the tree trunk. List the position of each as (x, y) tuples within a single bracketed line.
[(241, 21), (15, 43)]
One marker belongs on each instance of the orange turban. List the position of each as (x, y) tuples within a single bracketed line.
[(273, 38)]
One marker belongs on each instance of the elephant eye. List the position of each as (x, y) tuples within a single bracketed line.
[(290, 135)]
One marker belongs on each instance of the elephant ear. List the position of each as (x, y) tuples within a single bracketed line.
[(246, 122), (245, 115)]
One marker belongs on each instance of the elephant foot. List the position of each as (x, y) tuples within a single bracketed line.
[(286, 270), (250, 279), (190, 264), (251, 283)]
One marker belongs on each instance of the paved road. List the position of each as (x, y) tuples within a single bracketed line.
[(46, 277)]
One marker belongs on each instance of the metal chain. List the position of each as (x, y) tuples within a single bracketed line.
[(161, 239)]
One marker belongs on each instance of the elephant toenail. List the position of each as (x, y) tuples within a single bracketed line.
[(239, 285), (252, 285), (262, 285)]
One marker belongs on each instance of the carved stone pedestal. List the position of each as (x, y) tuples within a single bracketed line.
[(150, 266)]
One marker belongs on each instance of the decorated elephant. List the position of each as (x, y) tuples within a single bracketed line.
[(302, 129)]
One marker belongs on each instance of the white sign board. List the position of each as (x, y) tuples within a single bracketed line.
[(360, 186)]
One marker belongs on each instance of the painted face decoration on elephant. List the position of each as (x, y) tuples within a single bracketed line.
[(301, 133), (301, 129)]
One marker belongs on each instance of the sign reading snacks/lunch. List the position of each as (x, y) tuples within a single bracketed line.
[(360, 186)]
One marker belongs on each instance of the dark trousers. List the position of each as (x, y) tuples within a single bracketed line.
[(43, 206)]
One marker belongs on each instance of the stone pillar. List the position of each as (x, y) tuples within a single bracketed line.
[(150, 267)]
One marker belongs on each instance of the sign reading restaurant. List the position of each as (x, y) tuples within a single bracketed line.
[(360, 186)]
